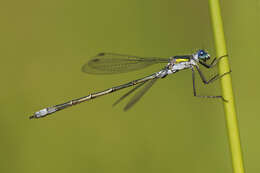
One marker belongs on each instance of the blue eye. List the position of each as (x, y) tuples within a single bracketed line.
[(202, 55)]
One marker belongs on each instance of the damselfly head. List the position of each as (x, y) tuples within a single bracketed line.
[(203, 55)]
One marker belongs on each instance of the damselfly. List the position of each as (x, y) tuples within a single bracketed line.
[(110, 63)]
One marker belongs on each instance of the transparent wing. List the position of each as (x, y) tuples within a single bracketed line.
[(139, 94), (111, 63), (128, 93)]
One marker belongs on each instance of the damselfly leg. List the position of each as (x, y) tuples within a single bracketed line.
[(213, 63), (216, 77), (203, 78)]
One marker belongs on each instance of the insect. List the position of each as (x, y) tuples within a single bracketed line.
[(111, 63)]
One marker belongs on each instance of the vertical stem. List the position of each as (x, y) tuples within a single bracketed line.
[(226, 86)]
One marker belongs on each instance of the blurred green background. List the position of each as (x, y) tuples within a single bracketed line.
[(43, 45)]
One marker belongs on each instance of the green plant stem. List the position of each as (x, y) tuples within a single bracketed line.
[(226, 86)]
